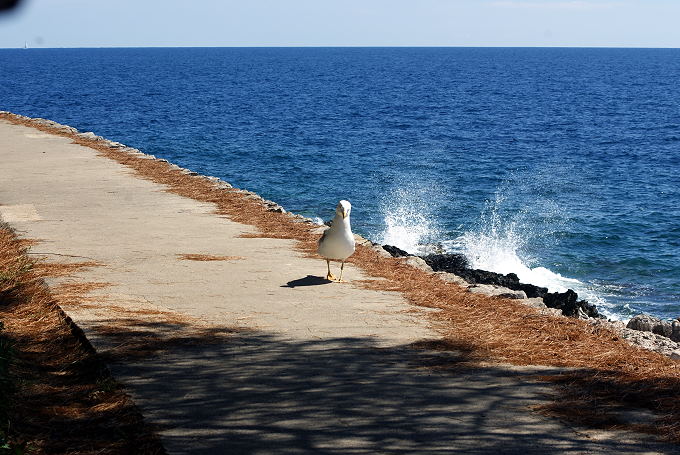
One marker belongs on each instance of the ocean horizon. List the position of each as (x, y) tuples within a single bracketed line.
[(561, 165)]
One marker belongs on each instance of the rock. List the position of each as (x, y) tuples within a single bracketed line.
[(496, 291), (418, 263), (273, 206), (552, 312), (90, 135), (641, 322), (568, 303), (394, 251), (581, 314), (650, 341), (532, 291), (535, 302), (360, 240), (565, 301), (449, 262), (647, 323), (451, 278), (382, 252), (515, 295), (663, 328), (614, 325), (458, 264), (675, 330)]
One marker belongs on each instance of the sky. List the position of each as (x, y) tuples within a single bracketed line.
[(146, 23)]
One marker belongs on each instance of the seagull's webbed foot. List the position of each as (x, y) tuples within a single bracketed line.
[(329, 275)]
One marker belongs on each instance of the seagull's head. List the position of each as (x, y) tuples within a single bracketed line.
[(343, 209)]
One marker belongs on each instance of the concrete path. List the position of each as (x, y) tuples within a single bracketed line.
[(249, 354)]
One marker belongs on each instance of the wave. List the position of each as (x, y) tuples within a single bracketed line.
[(410, 222), (501, 255), (503, 239)]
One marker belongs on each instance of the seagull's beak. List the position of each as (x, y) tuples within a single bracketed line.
[(344, 213)]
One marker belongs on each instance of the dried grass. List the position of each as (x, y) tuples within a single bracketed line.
[(611, 370), (208, 257), (66, 401), (62, 269)]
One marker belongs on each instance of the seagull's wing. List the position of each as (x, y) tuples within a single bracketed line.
[(323, 236)]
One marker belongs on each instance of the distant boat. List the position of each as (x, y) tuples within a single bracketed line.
[(25, 44)]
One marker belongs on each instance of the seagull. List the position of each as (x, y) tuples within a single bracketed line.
[(337, 242)]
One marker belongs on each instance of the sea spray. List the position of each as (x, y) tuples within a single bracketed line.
[(409, 220), (508, 237)]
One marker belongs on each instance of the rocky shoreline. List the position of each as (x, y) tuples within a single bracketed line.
[(643, 330)]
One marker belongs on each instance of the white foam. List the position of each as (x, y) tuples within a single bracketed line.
[(501, 244), (409, 223), (500, 254)]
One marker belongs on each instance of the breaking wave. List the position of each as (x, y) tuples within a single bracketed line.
[(504, 241), (409, 219)]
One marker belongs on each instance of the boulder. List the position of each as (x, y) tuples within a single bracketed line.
[(535, 302), (647, 323), (396, 252), (418, 263), (568, 303), (382, 252), (90, 135), (458, 265), (675, 330), (451, 278), (448, 262), (641, 322), (497, 291), (651, 341)]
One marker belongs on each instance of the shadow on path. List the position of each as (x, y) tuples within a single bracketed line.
[(309, 280), (256, 393)]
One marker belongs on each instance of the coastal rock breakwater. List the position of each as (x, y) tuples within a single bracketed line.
[(456, 264), (645, 331)]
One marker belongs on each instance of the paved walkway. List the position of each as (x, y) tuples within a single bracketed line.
[(247, 354)]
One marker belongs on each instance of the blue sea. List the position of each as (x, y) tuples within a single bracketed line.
[(561, 165)]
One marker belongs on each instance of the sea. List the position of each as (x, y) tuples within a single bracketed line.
[(561, 165)]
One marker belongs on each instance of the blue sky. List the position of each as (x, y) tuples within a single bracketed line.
[(96, 23)]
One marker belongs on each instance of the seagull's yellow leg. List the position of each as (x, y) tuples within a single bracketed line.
[(329, 276), (342, 266)]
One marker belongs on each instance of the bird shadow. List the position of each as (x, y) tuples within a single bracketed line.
[(309, 280)]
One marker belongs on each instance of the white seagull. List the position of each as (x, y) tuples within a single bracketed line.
[(337, 242)]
